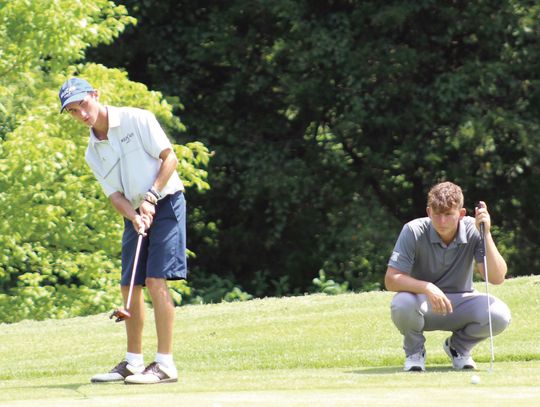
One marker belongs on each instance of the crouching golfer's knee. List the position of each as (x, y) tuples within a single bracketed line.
[(406, 312)]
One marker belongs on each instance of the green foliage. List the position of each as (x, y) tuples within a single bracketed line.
[(192, 158), (179, 290), (325, 286), (214, 289), (42, 37), (330, 120), (59, 242), (236, 294)]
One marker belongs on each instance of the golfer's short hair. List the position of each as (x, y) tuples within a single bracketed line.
[(445, 196)]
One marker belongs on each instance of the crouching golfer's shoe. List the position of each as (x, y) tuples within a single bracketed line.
[(118, 373), (416, 362), (154, 373), (458, 361)]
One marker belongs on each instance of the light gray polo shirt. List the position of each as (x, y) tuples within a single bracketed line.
[(420, 252), (128, 162)]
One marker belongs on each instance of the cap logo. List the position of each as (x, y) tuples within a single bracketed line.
[(68, 91)]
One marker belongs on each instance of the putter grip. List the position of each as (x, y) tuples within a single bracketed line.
[(481, 205)]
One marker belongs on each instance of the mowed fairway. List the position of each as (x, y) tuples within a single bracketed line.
[(312, 350)]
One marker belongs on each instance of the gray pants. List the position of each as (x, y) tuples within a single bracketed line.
[(469, 323)]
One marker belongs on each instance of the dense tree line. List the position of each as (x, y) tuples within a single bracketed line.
[(327, 122), (331, 119)]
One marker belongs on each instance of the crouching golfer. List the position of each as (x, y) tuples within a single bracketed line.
[(135, 164), (431, 268)]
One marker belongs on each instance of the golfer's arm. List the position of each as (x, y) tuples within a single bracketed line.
[(122, 205), (397, 281), (496, 264), (168, 166)]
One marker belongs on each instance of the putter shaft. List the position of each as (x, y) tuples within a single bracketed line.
[(486, 279), (135, 261), (123, 313)]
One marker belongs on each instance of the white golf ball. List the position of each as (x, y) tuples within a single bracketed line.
[(475, 379)]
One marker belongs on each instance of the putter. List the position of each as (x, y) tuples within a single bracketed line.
[(482, 236), (123, 313)]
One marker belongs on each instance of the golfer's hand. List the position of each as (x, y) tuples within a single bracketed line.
[(440, 304), (147, 209), (481, 215), (141, 223)]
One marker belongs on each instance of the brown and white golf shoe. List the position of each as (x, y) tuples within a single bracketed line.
[(153, 374), (118, 373)]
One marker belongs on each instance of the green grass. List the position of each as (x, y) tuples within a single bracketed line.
[(314, 350)]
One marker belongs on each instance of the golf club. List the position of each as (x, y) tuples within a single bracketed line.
[(486, 279), (123, 313)]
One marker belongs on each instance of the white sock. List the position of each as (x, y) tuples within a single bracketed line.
[(135, 359), (165, 359)]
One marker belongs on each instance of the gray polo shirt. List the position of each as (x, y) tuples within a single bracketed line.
[(420, 252), (128, 161)]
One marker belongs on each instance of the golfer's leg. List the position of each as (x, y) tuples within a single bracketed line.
[(135, 324), (475, 321), (407, 315), (163, 311)]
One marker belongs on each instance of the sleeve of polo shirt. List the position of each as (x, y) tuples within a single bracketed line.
[(154, 138), (107, 189), (403, 255)]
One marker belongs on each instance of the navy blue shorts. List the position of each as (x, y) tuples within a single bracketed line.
[(163, 249)]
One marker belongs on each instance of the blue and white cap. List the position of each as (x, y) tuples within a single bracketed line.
[(73, 90)]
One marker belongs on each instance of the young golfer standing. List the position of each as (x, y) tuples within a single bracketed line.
[(135, 164), (431, 268)]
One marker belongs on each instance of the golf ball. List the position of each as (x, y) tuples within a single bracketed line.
[(475, 379)]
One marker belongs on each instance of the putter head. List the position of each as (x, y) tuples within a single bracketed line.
[(120, 314)]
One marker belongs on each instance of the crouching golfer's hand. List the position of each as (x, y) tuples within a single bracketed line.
[(482, 216), (440, 304)]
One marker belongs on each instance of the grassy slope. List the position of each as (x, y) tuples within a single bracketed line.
[(312, 350)]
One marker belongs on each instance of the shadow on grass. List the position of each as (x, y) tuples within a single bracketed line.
[(67, 386), (72, 386), (75, 388), (399, 369)]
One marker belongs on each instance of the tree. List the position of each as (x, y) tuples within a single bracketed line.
[(330, 120), (59, 251)]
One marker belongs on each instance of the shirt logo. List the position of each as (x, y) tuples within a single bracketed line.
[(127, 139), (395, 256)]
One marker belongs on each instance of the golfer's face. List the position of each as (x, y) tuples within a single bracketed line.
[(446, 221), (85, 111)]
